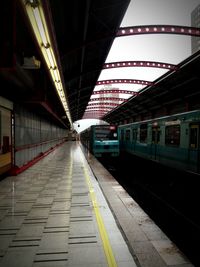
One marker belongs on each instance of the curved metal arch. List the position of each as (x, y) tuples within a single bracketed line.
[(100, 115), (90, 116), (121, 64), (108, 108), (98, 110), (95, 108), (95, 112), (131, 81), (115, 91), (161, 29), (108, 98), (143, 29), (148, 64), (103, 104)]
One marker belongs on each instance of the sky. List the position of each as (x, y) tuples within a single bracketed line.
[(155, 47), (168, 48), (81, 125)]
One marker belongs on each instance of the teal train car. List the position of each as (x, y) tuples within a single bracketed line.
[(171, 140), (101, 140)]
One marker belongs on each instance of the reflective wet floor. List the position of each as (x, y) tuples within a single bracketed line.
[(54, 214)]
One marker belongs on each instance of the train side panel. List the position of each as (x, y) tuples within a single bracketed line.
[(106, 147), (171, 140)]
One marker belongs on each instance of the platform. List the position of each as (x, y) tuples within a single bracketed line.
[(65, 212)]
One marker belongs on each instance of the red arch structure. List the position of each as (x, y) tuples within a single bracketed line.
[(92, 116), (106, 109), (158, 29), (133, 81), (94, 112), (137, 30), (115, 91), (103, 108), (108, 98), (98, 110), (146, 29), (148, 64), (103, 104)]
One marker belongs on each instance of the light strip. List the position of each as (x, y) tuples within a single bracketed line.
[(56, 73), (37, 20), (50, 57), (40, 25)]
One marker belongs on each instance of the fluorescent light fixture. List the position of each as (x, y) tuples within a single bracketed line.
[(37, 20), (40, 26), (52, 62), (56, 74)]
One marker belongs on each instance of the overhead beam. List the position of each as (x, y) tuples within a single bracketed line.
[(103, 103), (158, 29), (114, 91), (108, 98), (142, 29), (139, 63), (127, 81)]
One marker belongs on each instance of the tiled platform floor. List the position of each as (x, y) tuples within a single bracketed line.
[(47, 217)]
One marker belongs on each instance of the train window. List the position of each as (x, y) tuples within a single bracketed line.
[(128, 135), (106, 133), (134, 134), (143, 133), (194, 136), (172, 135)]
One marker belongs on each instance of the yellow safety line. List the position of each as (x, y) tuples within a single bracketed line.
[(102, 230)]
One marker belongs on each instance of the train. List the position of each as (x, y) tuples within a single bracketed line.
[(170, 140), (101, 140), (71, 136)]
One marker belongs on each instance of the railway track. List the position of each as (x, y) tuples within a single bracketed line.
[(170, 197)]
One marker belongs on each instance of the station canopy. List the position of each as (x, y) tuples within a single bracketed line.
[(87, 59)]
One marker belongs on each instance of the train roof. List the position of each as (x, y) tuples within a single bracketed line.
[(163, 117), (98, 125)]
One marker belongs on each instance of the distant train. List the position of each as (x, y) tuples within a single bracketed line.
[(71, 136), (101, 140), (171, 140)]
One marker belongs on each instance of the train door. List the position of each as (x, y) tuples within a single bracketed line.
[(155, 141), (134, 138), (128, 139), (194, 147)]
